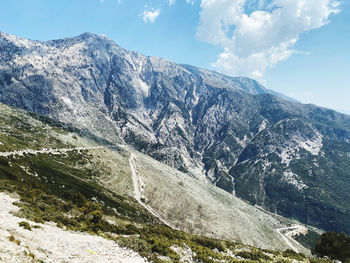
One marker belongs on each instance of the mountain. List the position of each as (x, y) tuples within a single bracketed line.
[(289, 158)]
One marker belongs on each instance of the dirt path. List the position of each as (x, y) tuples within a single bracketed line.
[(139, 187), (136, 179), (287, 234), (49, 150)]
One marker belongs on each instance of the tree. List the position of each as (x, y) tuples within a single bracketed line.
[(333, 245)]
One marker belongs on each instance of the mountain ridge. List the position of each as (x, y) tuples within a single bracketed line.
[(260, 89)]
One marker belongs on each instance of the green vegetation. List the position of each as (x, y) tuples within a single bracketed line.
[(25, 225), (292, 254), (72, 210), (13, 239), (333, 245), (308, 240), (61, 176)]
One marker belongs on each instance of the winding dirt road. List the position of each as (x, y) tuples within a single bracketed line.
[(287, 234)]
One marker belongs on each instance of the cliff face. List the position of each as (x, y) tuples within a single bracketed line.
[(232, 132)]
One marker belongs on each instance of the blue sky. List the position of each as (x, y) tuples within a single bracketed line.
[(297, 47)]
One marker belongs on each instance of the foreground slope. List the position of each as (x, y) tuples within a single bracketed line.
[(290, 158), (49, 243), (81, 184)]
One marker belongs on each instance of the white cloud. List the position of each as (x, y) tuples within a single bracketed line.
[(190, 2), (149, 16), (171, 2), (257, 34)]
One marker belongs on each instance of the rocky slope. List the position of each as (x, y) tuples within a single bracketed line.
[(48, 243), (232, 132)]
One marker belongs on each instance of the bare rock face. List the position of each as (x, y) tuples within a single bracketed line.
[(288, 157)]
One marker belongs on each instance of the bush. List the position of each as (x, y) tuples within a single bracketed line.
[(25, 225), (96, 216), (13, 239), (292, 254), (211, 243), (253, 255), (333, 245)]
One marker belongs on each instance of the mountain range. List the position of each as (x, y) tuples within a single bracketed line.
[(261, 146)]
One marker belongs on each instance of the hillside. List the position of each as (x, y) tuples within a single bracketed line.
[(61, 175)]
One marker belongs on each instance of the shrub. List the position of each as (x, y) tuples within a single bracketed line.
[(25, 225), (333, 245), (292, 254), (96, 216), (211, 243), (13, 239), (253, 255)]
